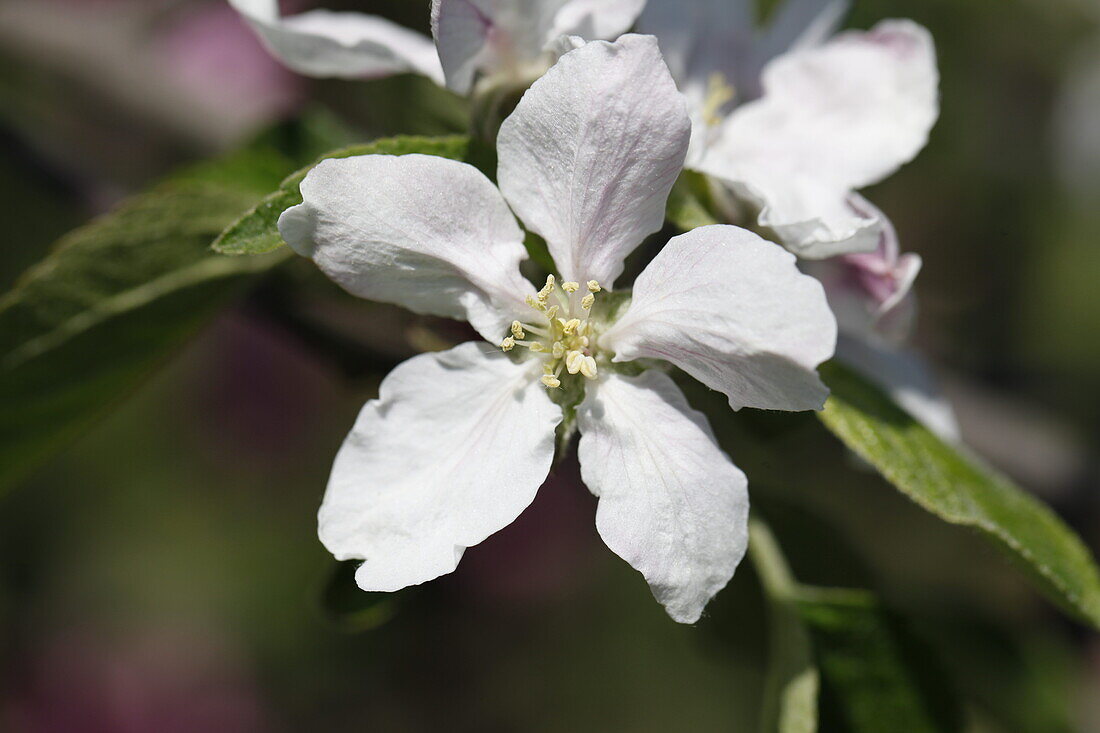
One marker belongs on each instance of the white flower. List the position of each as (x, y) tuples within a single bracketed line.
[(515, 40), (502, 40), (795, 134), (458, 442)]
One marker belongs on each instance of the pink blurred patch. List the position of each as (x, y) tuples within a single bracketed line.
[(213, 55), (164, 683), (541, 556)]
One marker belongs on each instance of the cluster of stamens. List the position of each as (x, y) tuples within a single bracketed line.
[(561, 332)]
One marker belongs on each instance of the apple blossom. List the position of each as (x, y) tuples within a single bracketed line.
[(458, 442), (504, 41), (793, 131)]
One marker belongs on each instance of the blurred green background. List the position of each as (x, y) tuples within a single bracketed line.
[(163, 572)]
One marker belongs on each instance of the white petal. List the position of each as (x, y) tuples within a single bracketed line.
[(671, 502), (701, 37), (453, 449), (596, 19), (832, 119), (589, 155), (352, 45), (704, 42), (708, 41), (733, 311), (905, 376), (492, 37), (428, 233)]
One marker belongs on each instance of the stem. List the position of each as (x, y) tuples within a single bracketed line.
[(792, 683)]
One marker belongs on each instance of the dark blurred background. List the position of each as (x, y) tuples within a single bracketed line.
[(163, 572)]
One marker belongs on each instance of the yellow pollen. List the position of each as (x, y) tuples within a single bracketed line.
[(547, 289), (517, 330), (549, 380), (537, 347), (573, 361), (508, 344), (588, 367), (587, 301), (719, 93), (594, 287), (570, 287), (551, 312), (558, 349), (570, 327)]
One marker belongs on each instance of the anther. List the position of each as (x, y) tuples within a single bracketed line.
[(508, 344), (594, 286), (549, 380), (588, 367), (574, 362), (548, 288), (587, 301), (517, 330), (558, 349), (536, 346), (570, 327), (551, 312), (570, 287)]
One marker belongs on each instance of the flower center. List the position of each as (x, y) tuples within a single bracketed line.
[(560, 333)]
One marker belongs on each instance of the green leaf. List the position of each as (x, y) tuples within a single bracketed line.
[(117, 295), (257, 231), (838, 661), (960, 490), (876, 675), (1019, 677), (689, 201), (352, 608)]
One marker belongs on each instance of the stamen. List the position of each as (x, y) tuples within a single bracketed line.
[(587, 301), (517, 330), (594, 287), (549, 380), (570, 327), (508, 344), (533, 329), (719, 93), (588, 367), (570, 287), (557, 350)]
